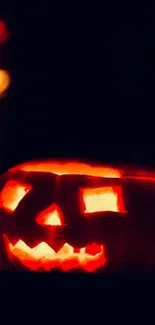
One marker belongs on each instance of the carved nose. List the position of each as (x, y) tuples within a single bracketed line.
[(52, 216)]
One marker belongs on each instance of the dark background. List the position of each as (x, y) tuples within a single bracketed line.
[(82, 84)]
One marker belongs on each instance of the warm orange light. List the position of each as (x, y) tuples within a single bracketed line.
[(53, 219), (12, 193), (70, 168), (103, 199), (45, 258), (4, 81), (51, 216), (42, 256)]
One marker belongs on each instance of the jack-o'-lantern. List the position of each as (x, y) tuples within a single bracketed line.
[(75, 217)]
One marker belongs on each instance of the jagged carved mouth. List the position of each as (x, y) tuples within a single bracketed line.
[(43, 257)]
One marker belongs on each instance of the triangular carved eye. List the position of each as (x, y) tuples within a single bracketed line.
[(52, 216)]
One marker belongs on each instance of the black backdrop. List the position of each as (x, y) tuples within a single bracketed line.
[(82, 84)]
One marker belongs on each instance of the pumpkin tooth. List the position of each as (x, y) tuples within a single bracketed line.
[(66, 249), (44, 256), (37, 252), (42, 250), (83, 250)]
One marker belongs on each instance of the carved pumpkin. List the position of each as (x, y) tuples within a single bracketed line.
[(73, 216)]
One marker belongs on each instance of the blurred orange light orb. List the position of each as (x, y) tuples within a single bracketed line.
[(4, 81)]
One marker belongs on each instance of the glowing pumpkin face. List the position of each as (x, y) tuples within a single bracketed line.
[(67, 216)]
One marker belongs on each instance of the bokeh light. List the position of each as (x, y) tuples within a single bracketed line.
[(4, 81)]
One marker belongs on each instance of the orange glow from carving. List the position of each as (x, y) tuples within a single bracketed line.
[(103, 199), (12, 193), (4, 81), (70, 169), (45, 258), (42, 256), (50, 217)]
